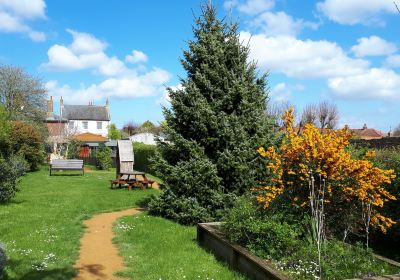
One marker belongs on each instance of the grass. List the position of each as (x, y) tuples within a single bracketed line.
[(41, 227), (156, 248)]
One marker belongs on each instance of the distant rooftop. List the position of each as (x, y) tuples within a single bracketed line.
[(86, 112)]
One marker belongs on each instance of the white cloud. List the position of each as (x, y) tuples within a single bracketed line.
[(373, 46), (280, 23), (393, 61), (356, 11), (130, 86), (84, 43), (282, 92), (28, 9), (373, 83), (14, 14), (136, 57), (302, 59), (85, 52), (250, 7)]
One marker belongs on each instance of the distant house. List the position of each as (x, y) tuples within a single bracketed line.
[(363, 133), (366, 133), (86, 118), (85, 123), (146, 138)]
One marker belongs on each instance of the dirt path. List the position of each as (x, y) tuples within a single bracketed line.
[(99, 257)]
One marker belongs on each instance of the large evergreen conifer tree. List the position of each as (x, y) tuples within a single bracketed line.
[(215, 124)]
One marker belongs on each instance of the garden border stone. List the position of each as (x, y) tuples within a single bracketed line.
[(237, 257)]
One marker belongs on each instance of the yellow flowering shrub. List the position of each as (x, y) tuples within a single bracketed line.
[(349, 182)]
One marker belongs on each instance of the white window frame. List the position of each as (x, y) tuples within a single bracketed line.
[(85, 125), (99, 125)]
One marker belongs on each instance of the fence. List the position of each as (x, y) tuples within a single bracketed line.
[(387, 142)]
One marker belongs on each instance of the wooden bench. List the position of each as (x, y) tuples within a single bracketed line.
[(66, 164), (126, 179)]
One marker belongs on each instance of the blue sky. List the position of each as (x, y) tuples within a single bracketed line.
[(343, 51)]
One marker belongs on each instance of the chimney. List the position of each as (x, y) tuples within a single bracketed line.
[(50, 107), (365, 126), (346, 127), (61, 106), (107, 102)]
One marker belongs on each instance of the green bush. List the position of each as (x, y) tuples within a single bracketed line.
[(104, 161), (27, 142), (387, 243), (73, 149), (143, 153), (10, 170), (189, 205), (266, 236), (3, 260)]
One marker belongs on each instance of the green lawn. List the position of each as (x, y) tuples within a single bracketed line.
[(156, 248), (42, 225)]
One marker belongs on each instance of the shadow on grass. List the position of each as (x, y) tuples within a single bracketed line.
[(13, 201), (56, 273), (66, 174), (144, 202)]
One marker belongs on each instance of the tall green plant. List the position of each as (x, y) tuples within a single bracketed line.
[(104, 157), (216, 122), (73, 149)]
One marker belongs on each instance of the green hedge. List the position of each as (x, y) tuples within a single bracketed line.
[(142, 154)]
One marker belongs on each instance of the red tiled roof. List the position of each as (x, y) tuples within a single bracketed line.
[(366, 133), (89, 137)]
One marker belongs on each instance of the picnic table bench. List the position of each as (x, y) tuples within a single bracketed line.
[(130, 179), (66, 164)]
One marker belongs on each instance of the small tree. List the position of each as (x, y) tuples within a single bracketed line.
[(104, 157), (216, 122), (324, 115), (113, 132), (130, 127), (396, 131), (73, 149), (26, 141), (23, 95)]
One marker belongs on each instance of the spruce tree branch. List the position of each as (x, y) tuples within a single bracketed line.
[(397, 7)]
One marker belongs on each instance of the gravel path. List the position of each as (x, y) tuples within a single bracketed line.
[(99, 258)]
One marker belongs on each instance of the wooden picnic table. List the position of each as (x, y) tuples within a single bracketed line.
[(130, 179)]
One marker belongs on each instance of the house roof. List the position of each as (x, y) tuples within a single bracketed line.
[(366, 133), (86, 112), (89, 137)]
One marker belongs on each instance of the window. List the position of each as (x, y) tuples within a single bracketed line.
[(85, 125), (71, 125), (99, 125)]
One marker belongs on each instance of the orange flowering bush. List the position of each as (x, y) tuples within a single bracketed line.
[(350, 183)]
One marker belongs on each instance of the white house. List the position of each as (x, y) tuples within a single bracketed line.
[(146, 138), (86, 118)]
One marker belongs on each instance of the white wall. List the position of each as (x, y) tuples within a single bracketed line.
[(146, 138), (92, 127)]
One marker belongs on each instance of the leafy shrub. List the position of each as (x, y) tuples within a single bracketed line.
[(3, 260), (27, 142), (10, 170), (74, 149), (350, 184), (266, 236), (187, 204), (143, 153), (104, 157), (390, 159)]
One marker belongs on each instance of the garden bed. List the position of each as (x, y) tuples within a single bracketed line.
[(238, 258)]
